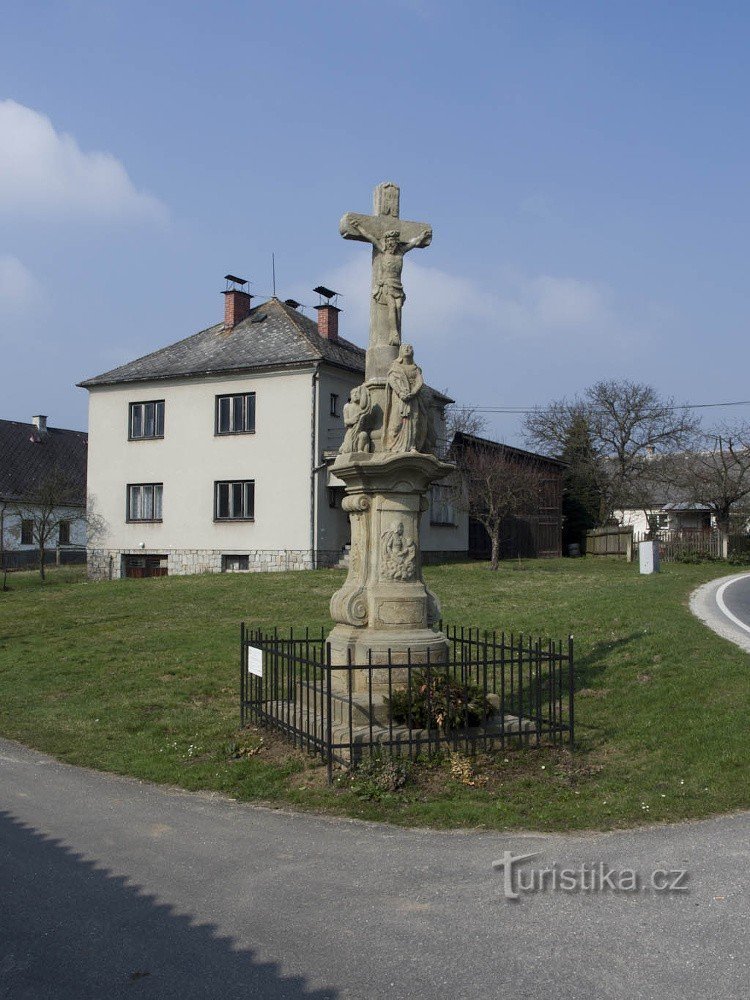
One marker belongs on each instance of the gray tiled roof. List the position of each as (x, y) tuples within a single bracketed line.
[(26, 458), (273, 335), (462, 440)]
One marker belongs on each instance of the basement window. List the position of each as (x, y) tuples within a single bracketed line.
[(235, 564)]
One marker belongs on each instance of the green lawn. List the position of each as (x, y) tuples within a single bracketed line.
[(141, 677)]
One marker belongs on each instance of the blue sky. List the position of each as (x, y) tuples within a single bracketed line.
[(585, 167)]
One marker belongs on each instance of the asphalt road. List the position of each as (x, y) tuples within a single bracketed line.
[(724, 605), (736, 598), (113, 888)]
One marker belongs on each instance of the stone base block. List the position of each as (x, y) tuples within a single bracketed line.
[(364, 646)]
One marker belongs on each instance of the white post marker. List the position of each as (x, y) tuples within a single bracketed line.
[(255, 661), (648, 557)]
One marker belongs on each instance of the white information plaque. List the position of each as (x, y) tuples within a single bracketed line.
[(255, 661)]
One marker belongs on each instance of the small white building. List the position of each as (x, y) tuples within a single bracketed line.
[(213, 454), (667, 516), (42, 492)]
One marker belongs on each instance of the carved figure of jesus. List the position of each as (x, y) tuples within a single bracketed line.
[(390, 238), (387, 265)]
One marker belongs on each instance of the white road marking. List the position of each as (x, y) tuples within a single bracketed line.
[(724, 609)]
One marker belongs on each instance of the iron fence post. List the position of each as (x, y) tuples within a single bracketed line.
[(243, 690), (571, 686), (329, 722)]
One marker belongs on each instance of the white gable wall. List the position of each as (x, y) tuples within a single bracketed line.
[(191, 457)]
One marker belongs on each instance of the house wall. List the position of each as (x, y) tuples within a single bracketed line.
[(11, 526), (678, 520), (189, 459), (441, 540), (332, 522)]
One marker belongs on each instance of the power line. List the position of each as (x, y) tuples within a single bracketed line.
[(490, 408)]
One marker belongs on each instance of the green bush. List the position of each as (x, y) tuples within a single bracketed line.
[(439, 701), (378, 776), (695, 557), (739, 550)]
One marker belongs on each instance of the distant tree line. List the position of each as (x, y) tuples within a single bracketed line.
[(625, 446)]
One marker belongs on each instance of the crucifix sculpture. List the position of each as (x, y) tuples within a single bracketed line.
[(384, 612), (391, 238)]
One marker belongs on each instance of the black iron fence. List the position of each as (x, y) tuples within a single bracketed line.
[(493, 689)]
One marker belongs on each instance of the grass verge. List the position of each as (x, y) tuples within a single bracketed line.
[(140, 677)]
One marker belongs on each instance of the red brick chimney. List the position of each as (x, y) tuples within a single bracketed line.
[(328, 321), (236, 302), (328, 314)]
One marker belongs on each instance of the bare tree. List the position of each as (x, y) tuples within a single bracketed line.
[(463, 420), (493, 483), (55, 500), (714, 472), (628, 424)]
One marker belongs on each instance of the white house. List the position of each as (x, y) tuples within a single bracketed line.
[(42, 491), (668, 516), (213, 454)]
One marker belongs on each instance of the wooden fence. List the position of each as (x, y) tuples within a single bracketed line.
[(614, 541), (684, 543)]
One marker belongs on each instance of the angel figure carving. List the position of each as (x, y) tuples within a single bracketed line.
[(399, 554)]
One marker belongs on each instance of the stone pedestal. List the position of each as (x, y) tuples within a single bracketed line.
[(384, 607)]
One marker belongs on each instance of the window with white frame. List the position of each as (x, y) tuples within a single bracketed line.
[(146, 420), (442, 509), (235, 414), (234, 500), (145, 501), (27, 531)]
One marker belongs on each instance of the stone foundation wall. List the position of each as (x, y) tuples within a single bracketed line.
[(108, 564)]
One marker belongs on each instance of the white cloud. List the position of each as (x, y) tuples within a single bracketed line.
[(44, 172), (18, 286), (442, 306)]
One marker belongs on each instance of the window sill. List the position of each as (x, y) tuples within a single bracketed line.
[(151, 437), (443, 524), (144, 520), (233, 520), (231, 434)]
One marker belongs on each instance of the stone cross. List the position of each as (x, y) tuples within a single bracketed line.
[(391, 238)]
